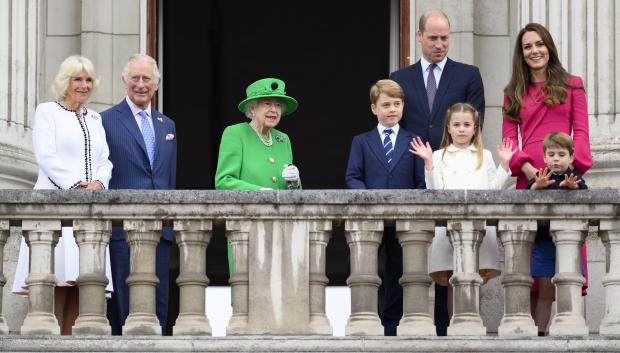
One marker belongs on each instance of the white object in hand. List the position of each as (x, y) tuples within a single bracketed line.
[(290, 173)]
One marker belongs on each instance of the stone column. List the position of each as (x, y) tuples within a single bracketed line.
[(466, 237), (610, 235), (4, 235), (517, 237), (143, 237), (364, 238), (320, 233), (568, 236), (41, 237), (92, 237), (237, 233), (415, 237), (193, 237)]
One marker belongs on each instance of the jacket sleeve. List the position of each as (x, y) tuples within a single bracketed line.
[(579, 119), (44, 145), (229, 161), (104, 167), (173, 163), (475, 93), (419, 179), (434, 180), (510, 130), (497, 176), (354, 177)]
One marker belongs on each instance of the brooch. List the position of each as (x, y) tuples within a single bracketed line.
[(279, 138), (160, 119)]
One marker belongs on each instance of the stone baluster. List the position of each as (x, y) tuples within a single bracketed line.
[(610, 235), (41, 237), (466, 237), (4, 235), (415, 237), (364, 238), (237, 233), (193, 237), (517, 237), (142, 237), (568, 236), (92, 238), (320, 232)]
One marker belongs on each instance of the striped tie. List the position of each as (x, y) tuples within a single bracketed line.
[(148, 135), (387, 145)]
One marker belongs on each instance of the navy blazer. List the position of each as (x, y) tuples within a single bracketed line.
[(132, 169), (459, 83), (368, 168)]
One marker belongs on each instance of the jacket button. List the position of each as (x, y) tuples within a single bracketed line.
[(274, 179), (430, 126), (271, 160)]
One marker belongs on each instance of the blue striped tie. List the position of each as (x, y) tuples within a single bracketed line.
[(387, 145), (149, 137)]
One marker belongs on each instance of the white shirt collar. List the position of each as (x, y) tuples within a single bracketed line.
[(453, 148), (382, 128), (425, 64), (135, 109)]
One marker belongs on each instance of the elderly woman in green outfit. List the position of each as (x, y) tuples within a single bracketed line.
[(254, 155)]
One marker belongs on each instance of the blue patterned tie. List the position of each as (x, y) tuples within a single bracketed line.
[(431, 86), (387, 145), (149, 137)]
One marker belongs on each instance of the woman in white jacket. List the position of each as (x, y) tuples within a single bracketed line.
[(463, 163), (70, 147)]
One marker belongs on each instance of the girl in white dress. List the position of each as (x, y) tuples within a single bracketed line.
[(72, 153), (463, 163)]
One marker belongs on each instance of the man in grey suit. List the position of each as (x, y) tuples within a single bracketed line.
[(432, 85), (143, 150)]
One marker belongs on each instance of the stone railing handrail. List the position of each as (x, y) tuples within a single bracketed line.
[(280, 237), (318, 204)]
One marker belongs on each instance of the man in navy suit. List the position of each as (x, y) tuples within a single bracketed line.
[(380, 159), (426, 105), (143, 150)]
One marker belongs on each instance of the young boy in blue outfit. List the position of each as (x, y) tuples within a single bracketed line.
[(558, 151), (379, 159)]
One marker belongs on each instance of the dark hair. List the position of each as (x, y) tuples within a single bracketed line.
[(557, 76)]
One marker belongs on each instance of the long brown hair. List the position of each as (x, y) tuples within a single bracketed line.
[(557, 76), (476, 139)]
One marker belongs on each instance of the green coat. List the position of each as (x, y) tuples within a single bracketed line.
[(245, 163)]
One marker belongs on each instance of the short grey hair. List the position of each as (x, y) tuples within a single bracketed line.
[(72, 67), (148, 58), (251, 105)]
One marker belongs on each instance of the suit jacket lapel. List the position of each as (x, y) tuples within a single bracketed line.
[(127, 119), (444, 82), (158, 125), (374, 142), (402, 145), (420, 88)]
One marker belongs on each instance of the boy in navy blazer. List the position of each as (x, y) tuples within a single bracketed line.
[(379, 159)]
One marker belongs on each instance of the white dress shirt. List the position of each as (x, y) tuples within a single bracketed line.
[(393, 135), (69, 151), (135, 110), (438, 70)]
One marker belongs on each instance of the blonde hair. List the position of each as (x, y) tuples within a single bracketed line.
[(559, 140), (389, 87), (476, 139), (71, 67)]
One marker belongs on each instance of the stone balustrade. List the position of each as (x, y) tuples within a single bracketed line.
[(279, 240)]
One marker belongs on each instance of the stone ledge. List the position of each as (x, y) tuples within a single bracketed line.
[(14, 343)]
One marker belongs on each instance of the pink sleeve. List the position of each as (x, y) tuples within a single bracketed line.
[(581, 134), (510, 129)]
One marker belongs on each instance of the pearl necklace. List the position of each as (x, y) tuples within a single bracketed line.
[(267, 141)]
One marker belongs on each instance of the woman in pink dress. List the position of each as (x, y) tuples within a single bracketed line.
[(542, 97)]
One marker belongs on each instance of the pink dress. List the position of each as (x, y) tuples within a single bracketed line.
[(539, 119)]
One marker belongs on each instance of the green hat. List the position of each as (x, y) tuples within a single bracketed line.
[(269, 88)]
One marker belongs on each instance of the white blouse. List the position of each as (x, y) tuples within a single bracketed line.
[(69, 149), (457, 170)]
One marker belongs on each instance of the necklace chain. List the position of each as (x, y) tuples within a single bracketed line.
[(267, 141)]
